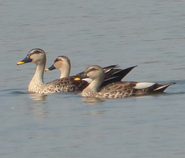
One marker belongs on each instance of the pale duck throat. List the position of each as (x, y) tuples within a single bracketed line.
[(93, 88), (65, 71), (37, 82)]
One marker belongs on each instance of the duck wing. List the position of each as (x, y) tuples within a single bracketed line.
[(115, 75)]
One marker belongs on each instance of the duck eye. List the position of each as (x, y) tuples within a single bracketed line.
[(92, 69), (37, 52), (58, 60)]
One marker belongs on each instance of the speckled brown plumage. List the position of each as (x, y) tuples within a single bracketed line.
[(127, 89)]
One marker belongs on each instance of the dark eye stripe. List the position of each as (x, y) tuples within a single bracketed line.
[(58, 60), (37, 52), (92, 69), (64, 57)]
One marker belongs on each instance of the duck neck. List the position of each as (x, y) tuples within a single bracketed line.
[(65, 71), (37, 80), (92, 89), (95, 85)]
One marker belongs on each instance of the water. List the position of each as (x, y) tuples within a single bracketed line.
[(149, 34)]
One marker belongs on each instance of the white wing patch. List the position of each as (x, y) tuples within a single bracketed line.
[(88, 80), (142, 85)]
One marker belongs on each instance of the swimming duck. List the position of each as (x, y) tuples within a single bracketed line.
[(37, 85), (117, 89), (111, 72)]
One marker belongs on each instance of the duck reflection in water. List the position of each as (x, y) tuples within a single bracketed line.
[(38, 97), (92, 100)]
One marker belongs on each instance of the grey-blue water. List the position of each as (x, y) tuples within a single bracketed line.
[(150, 34)]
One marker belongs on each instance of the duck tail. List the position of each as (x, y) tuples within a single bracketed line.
[(109, 68), (118, 74), (161, 88), (115, 75)]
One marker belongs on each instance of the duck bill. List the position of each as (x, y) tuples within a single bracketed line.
[(82, 76), (25, 60), (50, 68)]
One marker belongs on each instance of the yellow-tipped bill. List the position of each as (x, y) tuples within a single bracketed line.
[(47, 69), (20, 62), (77, 79), (50, 68)]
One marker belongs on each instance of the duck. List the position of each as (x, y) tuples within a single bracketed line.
[(111, 72), (120, 89), (37, 85)]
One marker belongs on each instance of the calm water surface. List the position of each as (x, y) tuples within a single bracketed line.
[(150, 34)]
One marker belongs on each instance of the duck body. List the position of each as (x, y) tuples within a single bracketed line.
[(66, 84), (128, 89)]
